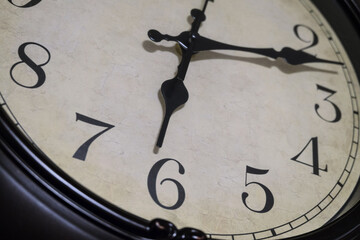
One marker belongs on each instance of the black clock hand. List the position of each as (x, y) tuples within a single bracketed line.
[(292, 56), (174, 91), (174, 94), (181, 39), (184, 37)]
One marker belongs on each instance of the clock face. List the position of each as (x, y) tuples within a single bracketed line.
[(265, 147)]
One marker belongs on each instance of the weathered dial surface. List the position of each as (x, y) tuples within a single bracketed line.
[(262, 149)]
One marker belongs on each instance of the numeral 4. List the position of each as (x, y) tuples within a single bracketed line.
[(315, 156)]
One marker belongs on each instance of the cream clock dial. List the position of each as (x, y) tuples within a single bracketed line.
[(255, 135)]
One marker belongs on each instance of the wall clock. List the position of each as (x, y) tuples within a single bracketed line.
[(191, 119)]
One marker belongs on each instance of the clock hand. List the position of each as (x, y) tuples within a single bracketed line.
[(181, 39), (184, 37), (292, 56), (174, 91), (175, 94)]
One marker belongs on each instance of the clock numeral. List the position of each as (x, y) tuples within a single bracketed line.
[(269, 203), (315, 157), (151, 182), (30, 63), (83, 149), (315, 38), (26, 5), (336, 108)]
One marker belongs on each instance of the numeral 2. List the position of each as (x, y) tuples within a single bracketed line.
[(83, 149), (315, 38)]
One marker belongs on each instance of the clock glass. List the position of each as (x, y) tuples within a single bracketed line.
[(255, 135)]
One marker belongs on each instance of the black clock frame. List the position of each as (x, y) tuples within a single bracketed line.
[(39, 201)]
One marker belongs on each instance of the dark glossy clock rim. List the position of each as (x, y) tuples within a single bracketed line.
[(40, 177), (348, 31), (23, 165)]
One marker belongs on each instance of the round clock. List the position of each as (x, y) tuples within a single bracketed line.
[(187, 119)]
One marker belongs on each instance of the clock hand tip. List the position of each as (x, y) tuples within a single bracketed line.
[(205, 5), (159, 142), (297, 57), (161, 136), (155, 35), (156, 150)]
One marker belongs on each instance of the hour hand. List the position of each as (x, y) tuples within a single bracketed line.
[(175, 94), (292, 56)]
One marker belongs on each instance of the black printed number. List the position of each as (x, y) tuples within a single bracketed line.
[(315, 156), (83, 149), (26, 5), (37, 68), (336, 108), (152, 184), (315, 38), (269, 202)]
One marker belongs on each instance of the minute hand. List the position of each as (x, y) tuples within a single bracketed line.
[(292, 56)]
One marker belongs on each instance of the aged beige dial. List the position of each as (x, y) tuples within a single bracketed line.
[(264, 148)]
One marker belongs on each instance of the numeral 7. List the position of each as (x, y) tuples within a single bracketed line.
[(83, 149)]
